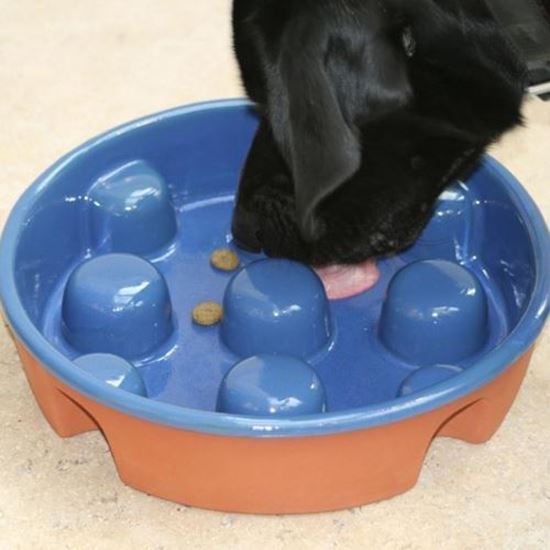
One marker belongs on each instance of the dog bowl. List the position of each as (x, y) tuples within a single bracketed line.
[(293, 402)]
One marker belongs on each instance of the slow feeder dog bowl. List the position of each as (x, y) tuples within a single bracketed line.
[(293, 403)]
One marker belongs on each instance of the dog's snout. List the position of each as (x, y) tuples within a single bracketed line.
[(245, 229)]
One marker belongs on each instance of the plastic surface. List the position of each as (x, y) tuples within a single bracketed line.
[(116, 303), (488, 225), (435, 311), (113, 370), (276, 306), (271, 385), (130, 210), (426, 377)]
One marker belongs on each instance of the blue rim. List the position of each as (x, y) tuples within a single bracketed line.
[(486, 370)]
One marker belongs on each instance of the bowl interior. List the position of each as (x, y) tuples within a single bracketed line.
[(197, 156)]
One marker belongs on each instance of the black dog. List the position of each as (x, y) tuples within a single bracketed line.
[(368, 109)]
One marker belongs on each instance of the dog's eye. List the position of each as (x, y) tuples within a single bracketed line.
[(409, 43)]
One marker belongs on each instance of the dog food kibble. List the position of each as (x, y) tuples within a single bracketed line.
[(207, 314), (225, 259)]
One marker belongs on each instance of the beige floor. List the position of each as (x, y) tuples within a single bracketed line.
[(68, 70)]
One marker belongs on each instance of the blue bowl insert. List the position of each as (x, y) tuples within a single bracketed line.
[(108, 252)]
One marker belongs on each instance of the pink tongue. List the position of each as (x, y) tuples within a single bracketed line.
[(344, 281)]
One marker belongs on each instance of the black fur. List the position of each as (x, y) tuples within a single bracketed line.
[(368, 109)]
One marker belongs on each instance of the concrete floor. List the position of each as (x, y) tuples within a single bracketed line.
[(69, 70)]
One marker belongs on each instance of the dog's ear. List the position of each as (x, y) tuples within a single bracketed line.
[(320, 146), (319, 87)]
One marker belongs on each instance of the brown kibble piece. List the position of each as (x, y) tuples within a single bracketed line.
[(225, 259), (207, 314)]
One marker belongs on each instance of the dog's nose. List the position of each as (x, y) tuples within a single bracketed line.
[(245, 229)]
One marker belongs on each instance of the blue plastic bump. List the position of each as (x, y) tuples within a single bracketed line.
[(275, 306), (116, 303), (425, 377), (271, 385), (435, 312), (131, 211), (113, 370)]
